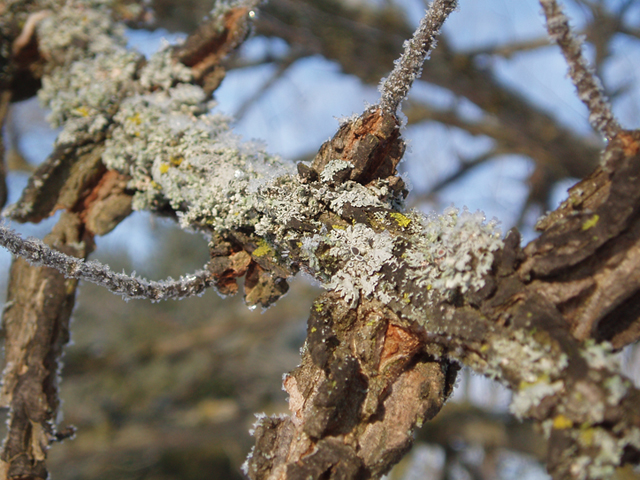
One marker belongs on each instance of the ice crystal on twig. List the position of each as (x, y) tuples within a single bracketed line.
[(589, 87), (409, 66), (38, 253)]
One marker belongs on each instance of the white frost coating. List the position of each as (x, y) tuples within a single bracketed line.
[(587, 84), (409, 66), (365, 252), (600, 356), (38, 253), (456, 250), (333, 167), (530, 396)]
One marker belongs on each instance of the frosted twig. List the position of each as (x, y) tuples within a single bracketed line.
[(589, 87), (39, 254), (409, 66)]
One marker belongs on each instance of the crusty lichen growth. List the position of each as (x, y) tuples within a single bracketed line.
[(178, 154), (93, 71)]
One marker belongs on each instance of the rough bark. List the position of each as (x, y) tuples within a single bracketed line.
[(348, 399), (518, 329), (36, 328)]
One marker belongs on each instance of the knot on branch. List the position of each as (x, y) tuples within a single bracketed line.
[(370, 143)]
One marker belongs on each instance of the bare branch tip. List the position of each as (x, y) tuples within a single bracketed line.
[(38, 253), (408, 67), (588, 85)]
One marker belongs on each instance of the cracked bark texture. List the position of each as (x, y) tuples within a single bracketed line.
[(351, 417), (348, 399)]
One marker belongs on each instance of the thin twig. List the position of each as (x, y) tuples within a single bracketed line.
[(38, 253), (589, 87), (282, 67), (510, 49), (409, 66)]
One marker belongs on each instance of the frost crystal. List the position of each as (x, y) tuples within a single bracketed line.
[(587, 84), (333, 167), (600, 356)]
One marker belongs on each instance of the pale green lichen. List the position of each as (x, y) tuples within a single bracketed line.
[(453, 251), (363, 253), (535, 360), (618, 388), (530, 396), (600, 356), (81, 98), (79, 29), (162, 71), (216, 180), (334, 167), (94, 69)]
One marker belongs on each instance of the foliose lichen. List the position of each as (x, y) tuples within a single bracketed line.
[(93, 69)]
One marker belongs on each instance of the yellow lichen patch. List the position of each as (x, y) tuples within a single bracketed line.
[(135, 119), (544, 378), (176, 161), (560, 422), (586, 436), (82, 111), (164, 168), (263, 249), (317, 307), (338, 227), (592, 222), (406, 298), (400, 219)]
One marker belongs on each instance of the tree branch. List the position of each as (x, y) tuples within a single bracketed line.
[(589, 87), (39, 254), (409, 66), (408, 294)]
